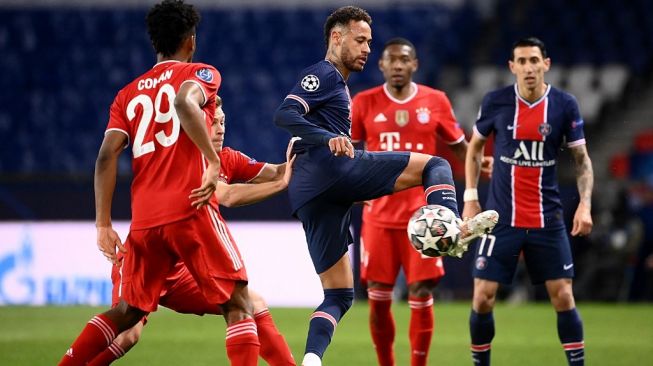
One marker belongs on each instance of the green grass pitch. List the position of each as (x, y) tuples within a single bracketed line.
[(526, 335)]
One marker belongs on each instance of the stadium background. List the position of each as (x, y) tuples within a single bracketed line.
[(62, 62)]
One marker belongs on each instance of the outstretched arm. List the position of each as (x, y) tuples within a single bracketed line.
[(234, 195), (106, 167), (585, 181)]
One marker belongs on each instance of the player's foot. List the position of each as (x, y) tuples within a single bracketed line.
[(311, 359), (471, 229)]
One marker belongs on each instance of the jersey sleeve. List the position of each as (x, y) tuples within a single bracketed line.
[(207, 78), (574, 133), (117, 119), (315, 87), (243, 167), (484, 125), (358, 133), (448, 128)]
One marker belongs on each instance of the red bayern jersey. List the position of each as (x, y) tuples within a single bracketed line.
[(166, 163), (385, 123), (238, 167)]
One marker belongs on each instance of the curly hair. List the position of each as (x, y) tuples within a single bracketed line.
[(342, 17), (169, 23)]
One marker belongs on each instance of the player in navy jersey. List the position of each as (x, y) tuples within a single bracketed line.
[(531, 121), (329, 175)]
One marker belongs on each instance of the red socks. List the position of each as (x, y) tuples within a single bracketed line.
[(242, 343), (96, 336), (421, 328), (382, 325), (274, 349), (110, 354)]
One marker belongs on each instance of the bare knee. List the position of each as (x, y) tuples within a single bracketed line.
[(128, 339), (561, 294), (239, 306), (422, 288), (125, 316), (258, 302), (485, 293), (412, 174)]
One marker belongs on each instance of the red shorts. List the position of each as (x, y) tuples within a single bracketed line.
[(385, 250), (202, 242), (180, 293)]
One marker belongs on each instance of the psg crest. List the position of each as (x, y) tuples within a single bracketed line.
[(545, 129), (310, 83)]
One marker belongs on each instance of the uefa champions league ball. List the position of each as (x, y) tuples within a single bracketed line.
[(433, 230)]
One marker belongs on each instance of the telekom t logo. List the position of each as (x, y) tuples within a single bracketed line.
[(389, 140)]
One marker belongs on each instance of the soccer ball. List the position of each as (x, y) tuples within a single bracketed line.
[(433, 230)]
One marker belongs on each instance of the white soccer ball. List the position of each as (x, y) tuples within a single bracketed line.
[(433, 230)]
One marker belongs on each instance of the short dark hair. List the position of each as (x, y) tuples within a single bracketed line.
[(218, 101), (401, 42), (528, 42), (169, 23), (342, 16)]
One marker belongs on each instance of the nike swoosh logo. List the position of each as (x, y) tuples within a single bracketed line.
[(510, 127), (574, 354), (567, 266)]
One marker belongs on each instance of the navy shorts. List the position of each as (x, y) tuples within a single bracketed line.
[(546, 251), (326, 216)]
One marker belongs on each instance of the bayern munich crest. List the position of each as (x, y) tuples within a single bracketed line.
[(423, 115), (310, 83)]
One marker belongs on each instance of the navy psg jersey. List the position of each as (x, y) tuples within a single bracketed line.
[(528, 138), (324, 98)]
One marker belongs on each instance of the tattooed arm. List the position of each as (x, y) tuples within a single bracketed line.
[(585, 182)]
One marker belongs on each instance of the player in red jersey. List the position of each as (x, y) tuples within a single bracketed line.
[(531, 122), (400, 115), (180, 292), (165, 114)]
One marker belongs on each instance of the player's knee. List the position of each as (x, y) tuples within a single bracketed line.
[(258, 303), (342, 299), (239, 306), (436, 169), (484, 301), (422, 288), (563, 299), (128, 339)]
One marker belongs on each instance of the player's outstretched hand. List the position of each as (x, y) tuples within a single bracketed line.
[(341, 146), (108, 241), (287, 173), (487, 165), (202, 194), (582, 221), (471, 209)]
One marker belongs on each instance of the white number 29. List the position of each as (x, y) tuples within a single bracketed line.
[(141, 148)]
